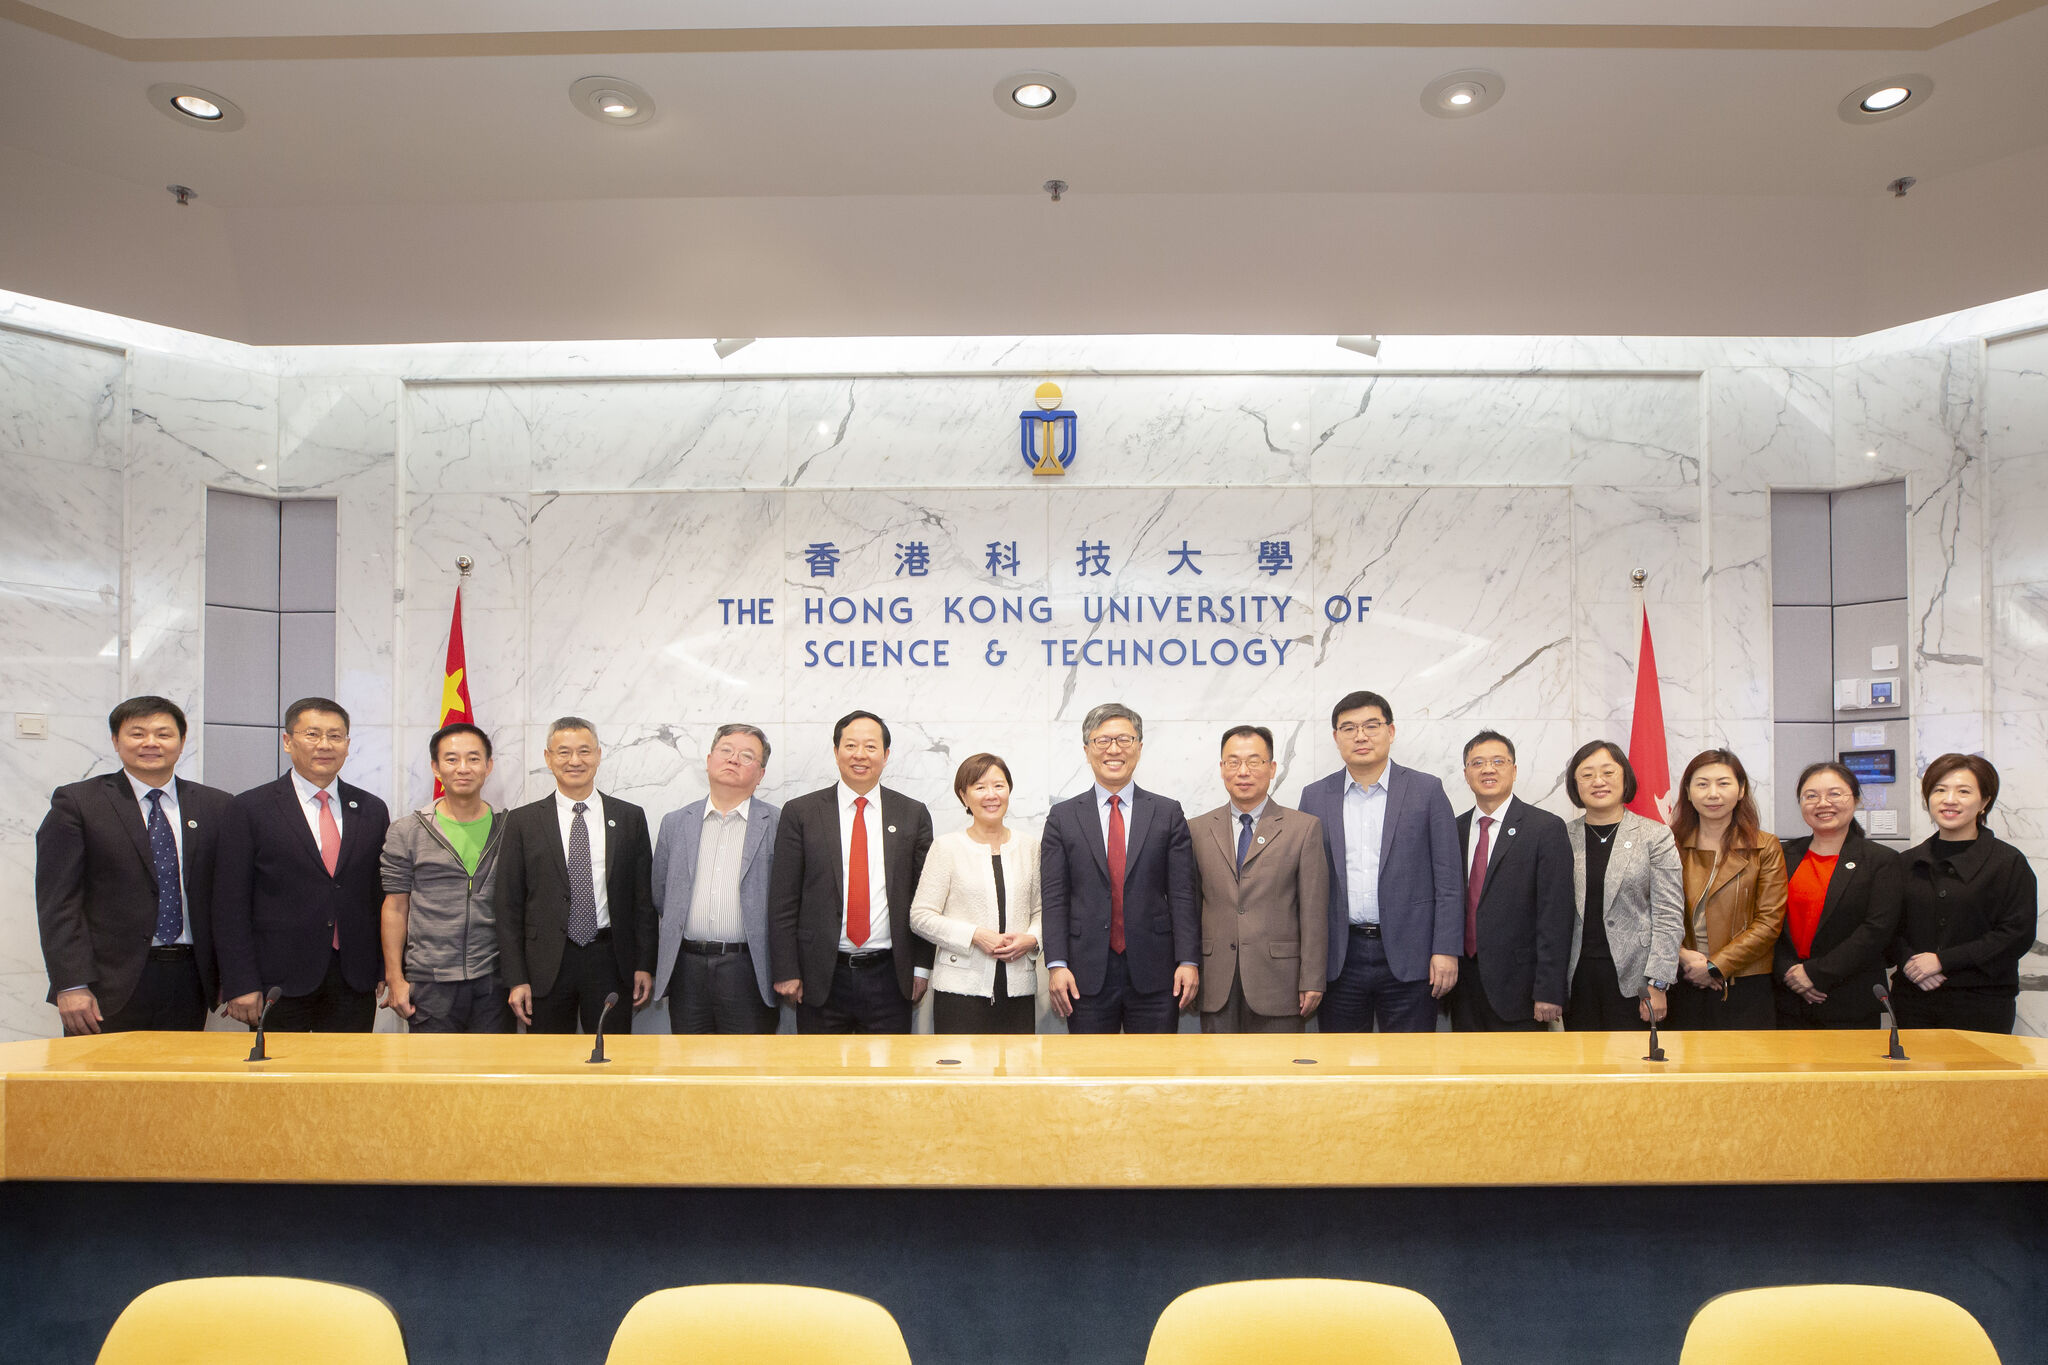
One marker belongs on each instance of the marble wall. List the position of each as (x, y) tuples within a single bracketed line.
[(1491, 494)]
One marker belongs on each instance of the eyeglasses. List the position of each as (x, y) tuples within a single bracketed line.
[(1243, 765), (1102, 744), (746, 758), (1371, 727), (1482, 764), (315, 736)]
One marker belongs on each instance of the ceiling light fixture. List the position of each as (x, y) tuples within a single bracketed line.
[(611, 100), (1365, 346), (1460, 94), (194, 107), (1886, 98), (725, 346), (1034, 94)]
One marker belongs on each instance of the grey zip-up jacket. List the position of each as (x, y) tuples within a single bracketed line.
[(451, 929)]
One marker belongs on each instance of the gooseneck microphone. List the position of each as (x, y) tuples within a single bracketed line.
[(269, 998), (1656, 1052), (597, 1053), (1884, 1000)]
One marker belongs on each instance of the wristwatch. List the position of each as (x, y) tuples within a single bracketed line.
[(1660, 985), (1715, 972)]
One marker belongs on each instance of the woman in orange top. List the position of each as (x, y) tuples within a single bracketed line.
[(1734, 899), (1842, 908)]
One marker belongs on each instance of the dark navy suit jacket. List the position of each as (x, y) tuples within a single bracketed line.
[(1422, 880), (1162, 909)]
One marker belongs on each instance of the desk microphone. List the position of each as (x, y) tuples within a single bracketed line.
[(269, 999), (597, 1053), (1884, 1001), (1656, 1052)]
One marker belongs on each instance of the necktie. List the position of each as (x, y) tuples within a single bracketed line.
[(163, 858), (1475, 886), (1116, 874), (857, 876), (330, 846), (1244, 837), (582, 886)]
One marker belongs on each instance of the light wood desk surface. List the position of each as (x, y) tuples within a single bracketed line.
[(1052, 1111)]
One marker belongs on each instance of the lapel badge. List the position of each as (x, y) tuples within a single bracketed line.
[(1262, 838), (194, 824), (892, 829), (612, 823), (1848, 867), (1628, 843), (351, 805), (1511, 833)]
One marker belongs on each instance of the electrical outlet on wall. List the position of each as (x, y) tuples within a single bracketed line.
[(30, 726)]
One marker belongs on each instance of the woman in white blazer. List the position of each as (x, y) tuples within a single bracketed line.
[(1631, 899), (978, 902)]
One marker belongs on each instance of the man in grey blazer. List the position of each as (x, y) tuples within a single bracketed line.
[(711, 869), (1397, 921)]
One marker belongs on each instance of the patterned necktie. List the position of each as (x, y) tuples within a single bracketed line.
[(330, 848), (857, 876), (1116, 874), (1475, 885), (582, 886), (1244, 837), (163, 858)]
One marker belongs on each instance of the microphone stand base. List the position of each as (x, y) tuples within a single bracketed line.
[(256, 1053)]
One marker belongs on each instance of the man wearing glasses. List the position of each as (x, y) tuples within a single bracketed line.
[(711, 871), (1519, 902), (1396, 921), (1122, 918)]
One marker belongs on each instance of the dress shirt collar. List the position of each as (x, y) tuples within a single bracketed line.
[(712, 812), (143, 789), (1379, 783), (566, 804), (1102, 794), (307, 790), (847, 795), (1257, 812)]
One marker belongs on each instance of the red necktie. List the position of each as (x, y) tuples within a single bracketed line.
[(1116, 874), (330, 846), (857, 876), (1475, 886)]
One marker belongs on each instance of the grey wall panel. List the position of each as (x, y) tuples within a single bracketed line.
[(1869, 540), (241, 667), (1802, 664), (306, 556), (1859, 629), (1900, 797), (1801, 562), (241, 551), (1793, 747), (305, 656), (238, 757)]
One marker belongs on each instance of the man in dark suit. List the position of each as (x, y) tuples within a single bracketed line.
[(124, 884), (1122, 916), (575, 895), (299, 893), (1396, 924), (847, 860), (1519, 907)]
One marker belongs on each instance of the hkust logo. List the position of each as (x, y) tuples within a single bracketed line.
[(1046, 434)]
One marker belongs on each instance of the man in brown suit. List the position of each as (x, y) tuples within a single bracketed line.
[(1265, 885)]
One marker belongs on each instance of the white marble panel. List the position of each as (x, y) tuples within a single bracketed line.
[(2019, 519), (2019, 748), (333, 430), (488, 527), (1449, 429), (2019, 647), (654, 434), (60, 525), (30, 769), (469, 438), (370, 759), (2016, 396), (24, 1012), (60, 650), (196, 423), (1771, 427), (1635, 429), (1617, 530), (167, 587), (59, 400), (21, 945), (1608, 640)]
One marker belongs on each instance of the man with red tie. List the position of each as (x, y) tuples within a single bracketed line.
[(299, 888), (847, 862)]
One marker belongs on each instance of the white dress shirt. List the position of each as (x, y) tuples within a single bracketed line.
[(170, 804), (714, 913), (1102, 795), (878, 886), (1365, 820), (309, 805), (1499, 814), (593, 822)]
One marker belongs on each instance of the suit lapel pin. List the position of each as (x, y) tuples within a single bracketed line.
[(892, 829), (194, 824), (1628, 843), (1511, 834), (1848, 867), (1262, 838), (612, 823), (351, 805)]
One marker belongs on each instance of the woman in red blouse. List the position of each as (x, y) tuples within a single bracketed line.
[(1842, 909)]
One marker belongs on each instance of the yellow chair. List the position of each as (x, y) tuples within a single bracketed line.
[(1303, 1322), (757, 1324), (1816, 1324), (254, 1320)]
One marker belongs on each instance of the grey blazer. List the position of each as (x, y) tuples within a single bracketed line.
[(1645, 901), (675, 877)]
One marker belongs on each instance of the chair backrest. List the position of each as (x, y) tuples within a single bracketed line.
[(1303, 1322), (254, 1320), (1815, 1324), (746, 1324)]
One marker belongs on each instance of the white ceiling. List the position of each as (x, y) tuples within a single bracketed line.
[(421, 175)]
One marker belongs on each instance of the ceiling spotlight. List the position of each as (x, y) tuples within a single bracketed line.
[(1887, 98), (1457, 94), (725, 346), (608, 99), (1034, 94), (195, 108), (1365, 346)]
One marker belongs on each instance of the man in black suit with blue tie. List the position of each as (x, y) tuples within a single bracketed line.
[(1122, 919)]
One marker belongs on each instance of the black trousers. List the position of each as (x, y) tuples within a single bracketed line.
[(1986, 1009), (167, 997), (1004, 1013), (1747, 1004), (1366, 992), (1119, 1007), (864, 999), (717, 993), (1472, 1012), (576, 1000), (1796, 1013), (473, 1006), (336, 1007), (1597, 1004)]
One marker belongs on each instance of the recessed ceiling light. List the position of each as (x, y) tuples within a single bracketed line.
[(608, 99), (1458, 94), (1034, 94), (196, 108), (1887, 98)]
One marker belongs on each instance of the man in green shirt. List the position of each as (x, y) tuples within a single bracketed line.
[(440, 928)]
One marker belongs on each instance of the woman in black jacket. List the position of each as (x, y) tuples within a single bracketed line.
[(1842, 909), (1970, 907)]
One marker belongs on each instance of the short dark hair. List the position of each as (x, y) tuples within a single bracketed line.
[(752, 732), (974, 769), (839, 726), (325, 705), (1492, 737), (1353, 701), (135, 708), (1586, 751), (1979, 768), (460, 727), (1247, 732)]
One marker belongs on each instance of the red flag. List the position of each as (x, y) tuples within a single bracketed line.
[(1647, 752), (454, 678)]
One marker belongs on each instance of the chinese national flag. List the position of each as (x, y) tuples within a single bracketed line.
[(454, 678), (1647, 752)]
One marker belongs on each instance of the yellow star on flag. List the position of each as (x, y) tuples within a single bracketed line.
[(451, 693)]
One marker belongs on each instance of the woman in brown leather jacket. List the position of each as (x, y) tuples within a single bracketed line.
[(1734, 899)]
